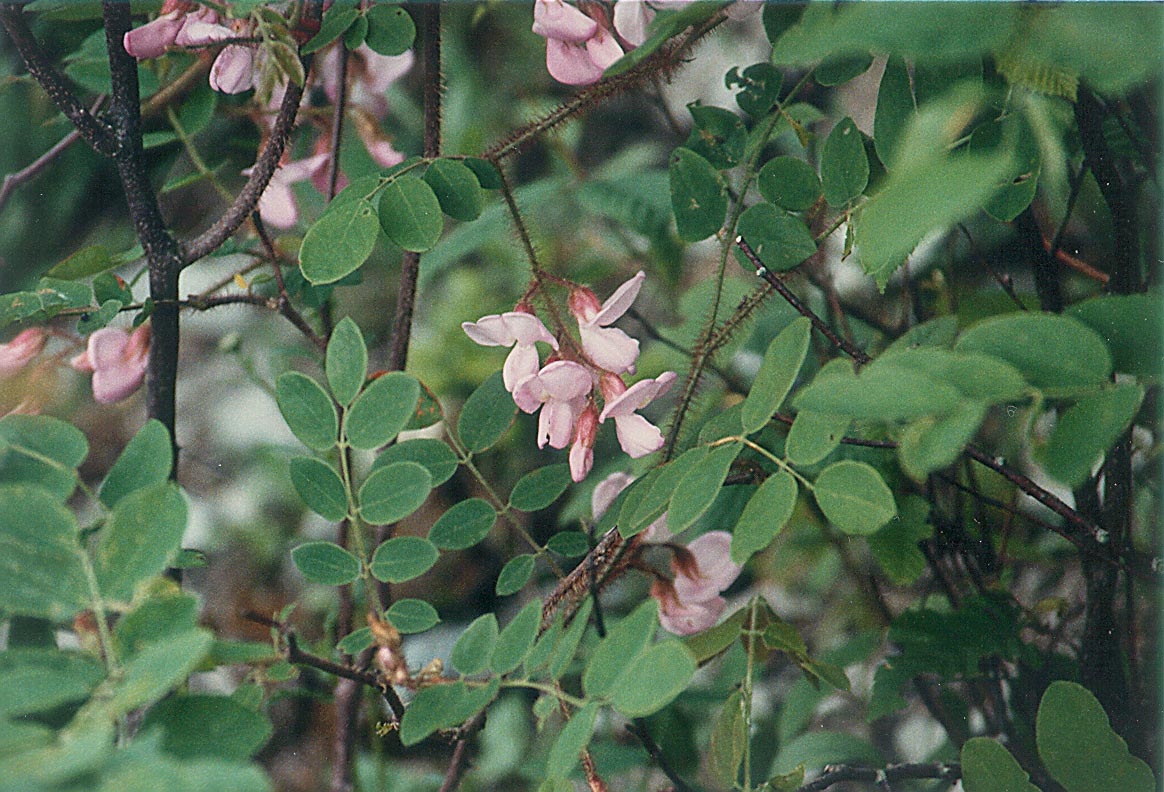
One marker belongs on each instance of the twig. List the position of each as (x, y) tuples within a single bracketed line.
[(834, 774), (337, 122), (1005, 281), (94, 131), (33, 169), (656, 753), (460, 759), (284, 306), (847, 347), (262, 171)]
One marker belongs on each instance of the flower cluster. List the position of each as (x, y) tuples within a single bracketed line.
[(584, 41), (690, 601), (566, 386), (183, 23)]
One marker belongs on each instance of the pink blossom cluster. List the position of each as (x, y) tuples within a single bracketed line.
[(116, 358), (584, 40), (183, 23), (690, 601), (567, 386)]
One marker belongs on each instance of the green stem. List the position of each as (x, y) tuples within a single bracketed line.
[(780, 463), (746, 690), (552, 690), (196, 158)]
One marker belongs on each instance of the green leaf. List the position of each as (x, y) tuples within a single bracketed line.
[(1133, 327), (698, 196), (487, 414), (729, 736), (393, 492), (571, 741), (203, 726), (516, 640), (341, 240), (699, 487), (761, 83), (711, 642), (515, 574), (895, 110), (883, 391), (638, 513), (391, 30), (412, 616), (486, 172), (142, 535), (779, 240), (619, 649), (456, 189), (89, 322), (934, 442), (157, 669), (410, 214), (87, 261), (539, 488), (382, 411), (37, 449), (718, 135), (654, 679), (1079, 748), (463, 525), (854, 497), (988, 767), (156, 619), (839, 69), (307, 409), (326, 563), (319, 487), (146, 460), (819, 748), (50, 298), (39, 680), (443, 707), (782, 362), (355, 35), (1054, 352), (434, 454), (977, 377), (539, 656), (1016, 188), (347, 361), (473, 649), (335, 22), (571, 544), (766, 514), (896, 545), (403, 558), (813, 436), (563, 653), (844, 168), (356, 641), (790, 183), (1087, 430)]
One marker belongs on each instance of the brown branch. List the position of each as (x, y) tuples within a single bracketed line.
[(337, 121), (284, 305), (460, 759), (262, 171), (840, 343), (33, 169), (95, 132), (834, 774)]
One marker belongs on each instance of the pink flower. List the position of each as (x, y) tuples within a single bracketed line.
[(582, 451), (608, 489), (370, 74), (153, 38), (519, 329), (579, 48), (20, 350), (234, 70), (691, 602), (609, 347), (637, 436), (631, 18), (118, 361), (560, 389), (201, 28), (277, 204)]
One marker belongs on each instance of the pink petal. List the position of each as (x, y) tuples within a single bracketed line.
[(638, 396), (119, 362), (631, 18), (554, 19), (151, 39), (489, 330), (233, 70), (81, 362), (381, 151), (607, 490), (277, 204), (570, 63), (581, 461), (201, 29), (610, 348), (24, 347), (527, 328), (106, 347), (378, 74), (304, 169), (556, 423), (620, 302), (658, 531), (603, 49), (522, 362), (717, 571), (637, 436), (688, 618), (565, 380), (529, 394)]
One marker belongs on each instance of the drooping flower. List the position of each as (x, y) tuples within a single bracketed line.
[(233, 71), (560, 390), (582, 450), (153, 38), (519, 329), (636, 435), (691, 602), (609, 347), (118, 361), (16, 354), (579, 48)]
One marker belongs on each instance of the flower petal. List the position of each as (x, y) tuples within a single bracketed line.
[(24, 347), (618, 303), (151, 39), (717, 571), (606, 491), (529, 394), (570, 63), (489, 330), (556, 423), (521, 362), (527, 328), (233, 70), (565, 380), (609, 347), (603, 49), (688, 618), (581, 461), (637, 436), (638, 396), (277, 204), (631, 18), (554, 19)]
